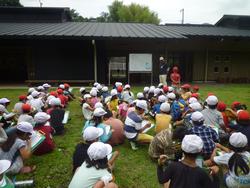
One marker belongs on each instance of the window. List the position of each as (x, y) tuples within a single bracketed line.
[(216, 69), (226, 70)]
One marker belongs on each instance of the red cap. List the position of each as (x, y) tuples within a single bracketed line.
[(165, 88), (210, 94), (59, 91), (196, 95), (196, 87), (186, 86), (26, 107), (243, 115), (22, 97), (66, 85), (234, 104), (119, 89), (221, 106), (53, 93)]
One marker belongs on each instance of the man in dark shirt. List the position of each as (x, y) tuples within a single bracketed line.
[(164, 68), (185, 173)]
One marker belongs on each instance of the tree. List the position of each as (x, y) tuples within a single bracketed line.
[(10, 3), (76, 17), (118, 12), (114, 11), (137, 13)]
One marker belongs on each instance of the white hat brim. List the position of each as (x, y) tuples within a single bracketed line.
[(4, 165)]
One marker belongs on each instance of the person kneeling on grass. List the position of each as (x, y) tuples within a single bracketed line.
[(5, 182), (237, 159), (134, 127), (18, 148), (48, 145), (97, 121), (94, 172), (184, 173)]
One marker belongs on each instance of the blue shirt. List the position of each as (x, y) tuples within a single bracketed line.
[(156, 108), (208, 136), (105, 136)]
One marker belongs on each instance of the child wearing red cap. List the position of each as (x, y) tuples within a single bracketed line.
[(18, 106), (221, 107), (242, 124), (25, 116)]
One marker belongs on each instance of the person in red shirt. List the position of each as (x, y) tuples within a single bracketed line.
[(62, 97), (221, 106), (47, 145), (175, 77)]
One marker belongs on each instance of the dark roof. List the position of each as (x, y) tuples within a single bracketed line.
[(94, 30), (34, 14), (234, 21)]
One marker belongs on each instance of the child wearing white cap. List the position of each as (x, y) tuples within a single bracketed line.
[(163, 119), (56, 113), (5, 182), (185, 173), (134, 127), (114, 102), (48, 144), (87, 107), (18, 148), (97, 121), (36, 102), (94, 172), (90, 135), (236, 158), (207, 134), (127, 95), (212, 117)]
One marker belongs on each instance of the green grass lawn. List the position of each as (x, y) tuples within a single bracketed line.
[(133, 168)]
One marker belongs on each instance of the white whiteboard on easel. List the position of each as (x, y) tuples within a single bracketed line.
[(140, 62)]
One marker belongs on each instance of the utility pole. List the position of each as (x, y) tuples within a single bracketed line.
[(182, 16), (40, 3)]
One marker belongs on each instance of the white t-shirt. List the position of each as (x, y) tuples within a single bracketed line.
[(88, 114), (37, 104), (232, 180), (18, 108), (88, 177), (26, 118)]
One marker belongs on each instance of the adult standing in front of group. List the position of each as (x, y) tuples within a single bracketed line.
[(164, 68)]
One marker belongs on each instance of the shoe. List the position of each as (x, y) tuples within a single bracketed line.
[(133, 146)]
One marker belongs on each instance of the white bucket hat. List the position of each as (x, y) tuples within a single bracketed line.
[(165, 107), (98, 112), (99, 150), (25, 127), (4, 166), (192, 144), (238, 140), (92, 133), (41, 117), (142, 104)]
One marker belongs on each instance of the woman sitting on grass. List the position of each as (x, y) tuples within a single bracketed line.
[(94, 172), (97, 121), (18, 148)]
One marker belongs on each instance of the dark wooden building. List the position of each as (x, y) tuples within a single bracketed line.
[(44, 44)]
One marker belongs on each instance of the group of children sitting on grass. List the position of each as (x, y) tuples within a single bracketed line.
[(29, 128), (193, 137)]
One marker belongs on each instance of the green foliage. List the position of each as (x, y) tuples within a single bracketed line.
[(11, 3), (132, 169), (114, 9), (131, 13), (76, 17), (137, 13)]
